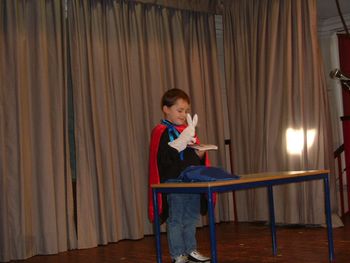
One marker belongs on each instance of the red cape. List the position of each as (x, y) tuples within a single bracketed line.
[(153, 166)]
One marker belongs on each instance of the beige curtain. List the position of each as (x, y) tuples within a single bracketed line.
[(274, 82), (36, 214), (124, 56), (206, 6)]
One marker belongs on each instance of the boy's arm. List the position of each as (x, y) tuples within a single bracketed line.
[(169, 163)]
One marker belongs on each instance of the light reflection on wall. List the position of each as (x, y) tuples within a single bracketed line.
[(295, 140)]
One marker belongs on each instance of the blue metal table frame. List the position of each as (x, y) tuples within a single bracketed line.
[(245, 182)]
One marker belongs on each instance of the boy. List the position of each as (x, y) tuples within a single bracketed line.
[(169, 156)]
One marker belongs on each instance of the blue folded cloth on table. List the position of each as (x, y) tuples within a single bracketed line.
[(201, 173)]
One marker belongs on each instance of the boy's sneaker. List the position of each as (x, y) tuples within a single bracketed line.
[(180, 259), (195, 256)]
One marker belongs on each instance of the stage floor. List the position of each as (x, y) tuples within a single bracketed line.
[(236, 243)]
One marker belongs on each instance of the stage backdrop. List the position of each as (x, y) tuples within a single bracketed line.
[(278, 106)]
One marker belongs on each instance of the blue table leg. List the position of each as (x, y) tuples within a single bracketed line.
[(157, 226), (272, 220), (212, 227), (328, 219)]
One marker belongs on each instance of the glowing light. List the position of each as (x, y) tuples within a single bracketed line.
[(295, 140), (310, 135)]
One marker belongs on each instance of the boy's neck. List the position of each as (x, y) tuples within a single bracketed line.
[(168, 121)]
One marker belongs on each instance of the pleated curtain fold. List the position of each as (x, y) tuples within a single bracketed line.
[(278, 106), (36, 205), (124, 57)]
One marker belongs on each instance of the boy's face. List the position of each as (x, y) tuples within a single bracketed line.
[(177, 113)]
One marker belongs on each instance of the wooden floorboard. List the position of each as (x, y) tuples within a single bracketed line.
[(236, 243)]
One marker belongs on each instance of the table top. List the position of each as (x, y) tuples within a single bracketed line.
[(244, 178)]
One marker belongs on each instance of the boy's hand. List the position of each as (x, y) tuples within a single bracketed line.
[(190, 131), (200, 154), (187, 135)]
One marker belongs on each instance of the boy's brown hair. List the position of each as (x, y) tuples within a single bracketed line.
[(171, 96)]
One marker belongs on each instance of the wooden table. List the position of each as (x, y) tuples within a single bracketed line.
[(245, 182)]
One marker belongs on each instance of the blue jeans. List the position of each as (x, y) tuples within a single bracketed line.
[(184, 210)]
